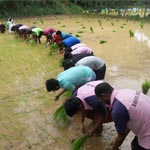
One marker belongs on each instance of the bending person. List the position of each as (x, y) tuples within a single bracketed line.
[(89, 106), (70, 79), (130, 111)]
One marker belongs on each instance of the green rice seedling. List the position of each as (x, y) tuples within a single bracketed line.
[(33, 43), (79, 31), (102, 42), (131, 33), (100, 23), (121, 27), (41, 20), (58, 22), (63, 26), (83, 27), (146, 86), (113, 30), (60, 116), (68, 94), (91, 29), (142, 24), (53, 48), (77, 21), (112, 24), (78, 144), (77, 35), (34, 22)]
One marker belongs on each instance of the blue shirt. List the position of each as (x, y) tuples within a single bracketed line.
[(75, 76), (66, 35), (70, 41)]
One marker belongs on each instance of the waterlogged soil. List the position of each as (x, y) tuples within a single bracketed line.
[(26, 109)]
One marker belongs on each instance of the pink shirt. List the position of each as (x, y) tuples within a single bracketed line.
[(87, 89), (49, 30), (77, 46), (82, 50), (138, 106), (24, 27)]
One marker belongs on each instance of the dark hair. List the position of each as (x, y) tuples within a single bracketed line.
[(68, 49), (51, 84), (13, 28), (103, 88), (72, 106), (68, 63), (58, 32), (67, 55)]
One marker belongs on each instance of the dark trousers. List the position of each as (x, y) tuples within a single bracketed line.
[(100, 74), (135, 144)]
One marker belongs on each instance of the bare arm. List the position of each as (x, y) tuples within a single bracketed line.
[(119, 139), (97, 124), (82, 121), (58, 95)]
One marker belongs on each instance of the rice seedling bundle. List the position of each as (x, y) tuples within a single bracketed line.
[(131, 33), (91, 29), (53, 48), (68, 94), (79, 143), (60, 115), (146, 87), (102, 42)]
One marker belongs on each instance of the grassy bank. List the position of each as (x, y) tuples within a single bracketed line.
[(29, 9)]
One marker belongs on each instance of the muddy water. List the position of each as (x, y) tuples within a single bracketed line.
[(26, 119)]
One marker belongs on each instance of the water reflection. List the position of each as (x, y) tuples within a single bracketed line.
[(141, 37)]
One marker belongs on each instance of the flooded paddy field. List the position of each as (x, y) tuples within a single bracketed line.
[(26, 109)]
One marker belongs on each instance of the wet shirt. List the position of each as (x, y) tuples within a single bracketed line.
[(49, 30), (87, 94), (77, 46), (82, 50), (93, 62), (24, 27), (131, 109), (36, 31), (70, 41), (75, 76), (65, 35)]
